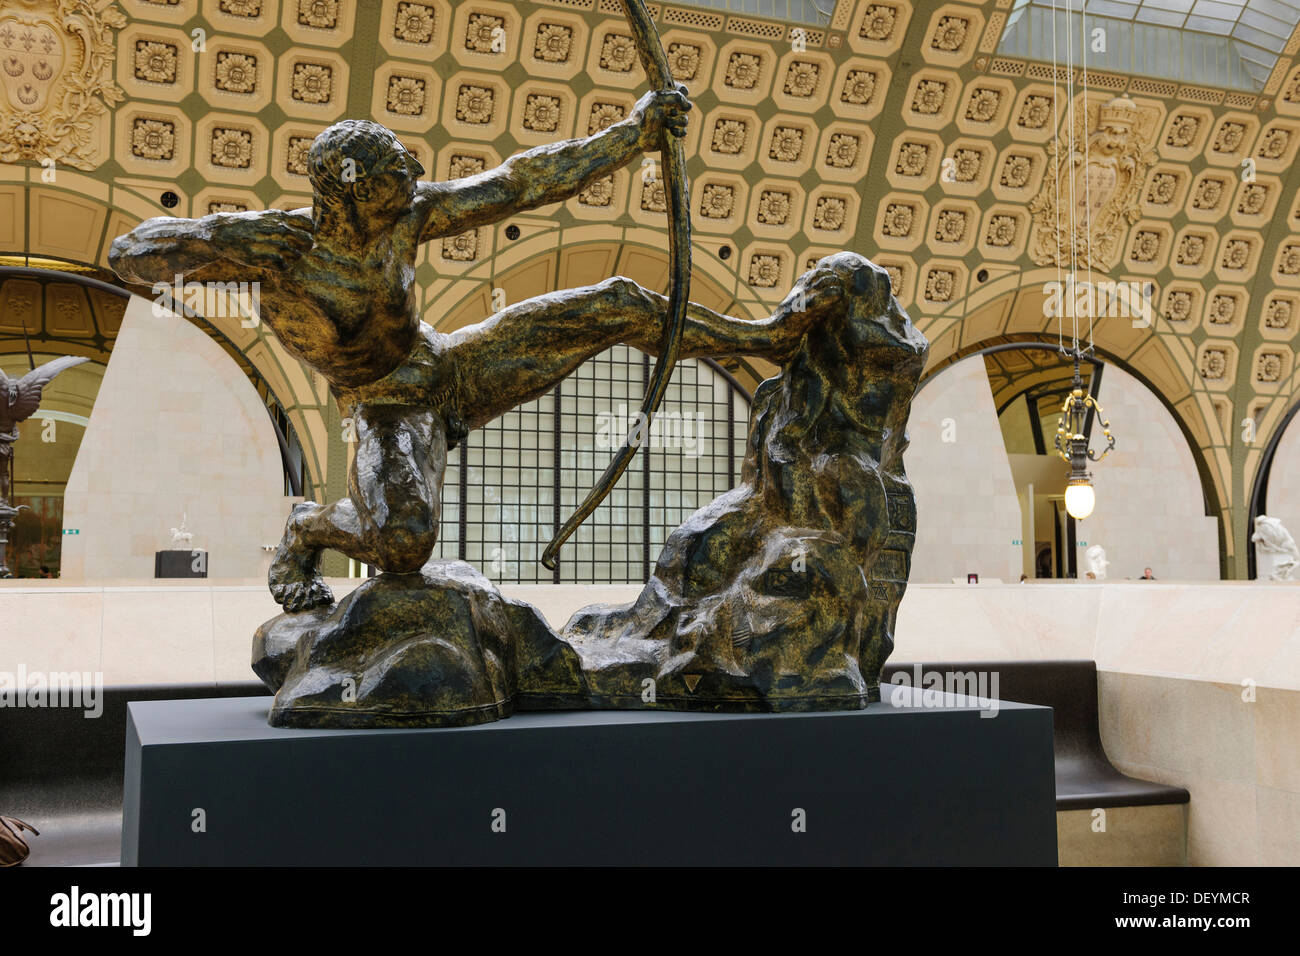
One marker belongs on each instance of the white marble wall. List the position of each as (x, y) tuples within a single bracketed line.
[(1198, 686), (1237, 757), (1150, 509), (176, 429), (968, 515), (1221, 632)]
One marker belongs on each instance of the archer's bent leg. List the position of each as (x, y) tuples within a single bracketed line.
[(389, 520), (396, 484), (525, 349)]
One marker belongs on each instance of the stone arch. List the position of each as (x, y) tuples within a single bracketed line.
[(63, 231), (177, 428), (1010, 309), (1212, 505), (1260, 486)]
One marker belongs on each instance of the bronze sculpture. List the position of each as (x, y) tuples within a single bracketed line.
[(779, 595), (337, 288), (433, 643)]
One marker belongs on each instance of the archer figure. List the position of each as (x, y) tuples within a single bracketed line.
[(337, 288)]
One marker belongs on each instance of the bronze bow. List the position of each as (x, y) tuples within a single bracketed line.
[(677, 193)]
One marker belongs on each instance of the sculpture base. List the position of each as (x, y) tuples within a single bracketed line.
[(440, 648), (180, 563), (887, 785), (444, 648)]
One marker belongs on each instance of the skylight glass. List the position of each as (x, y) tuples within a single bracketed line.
[(1232, 44)]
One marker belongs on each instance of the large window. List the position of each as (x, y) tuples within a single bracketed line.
[(509, 487), (1222, 43)]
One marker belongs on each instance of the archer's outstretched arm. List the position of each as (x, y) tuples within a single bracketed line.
[(223, 246), (547, 174)]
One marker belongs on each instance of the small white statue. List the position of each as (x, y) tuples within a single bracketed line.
[(1275, 550), (182, 536), (1096, 561)]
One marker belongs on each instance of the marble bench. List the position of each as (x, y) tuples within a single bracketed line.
[(1104, 817)]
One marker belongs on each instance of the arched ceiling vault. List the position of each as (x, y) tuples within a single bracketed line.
[(1014, 373), (64, 308)]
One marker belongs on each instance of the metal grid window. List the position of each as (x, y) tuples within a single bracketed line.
[(609, 545), (512, 483), (692, 455), (509, 493)]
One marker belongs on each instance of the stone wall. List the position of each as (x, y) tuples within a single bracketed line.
[(1150, 508), (176, 429), (1199, 685), (967, 513)]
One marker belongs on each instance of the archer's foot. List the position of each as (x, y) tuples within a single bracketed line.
[(295, 578)]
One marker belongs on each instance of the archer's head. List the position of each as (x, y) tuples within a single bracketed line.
[(362, 165), (848, 287)]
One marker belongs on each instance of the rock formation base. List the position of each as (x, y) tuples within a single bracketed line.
[(441, 648)]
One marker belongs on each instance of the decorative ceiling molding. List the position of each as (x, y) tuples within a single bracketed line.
[(56, 72)]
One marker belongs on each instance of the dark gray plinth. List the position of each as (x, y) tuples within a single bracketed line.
[(885, 786), (177, 563)]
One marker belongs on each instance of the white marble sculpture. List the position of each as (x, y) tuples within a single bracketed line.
[(1276, 555), (182, 536), (1095, 557)]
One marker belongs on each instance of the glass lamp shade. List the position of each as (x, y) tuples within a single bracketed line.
[(1079, 499)]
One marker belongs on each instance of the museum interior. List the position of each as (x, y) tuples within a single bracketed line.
[(1090, 210)]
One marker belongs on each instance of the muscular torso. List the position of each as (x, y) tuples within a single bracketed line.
[(349, 314)]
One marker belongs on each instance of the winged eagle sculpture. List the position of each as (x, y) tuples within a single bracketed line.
[(19, 399)]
